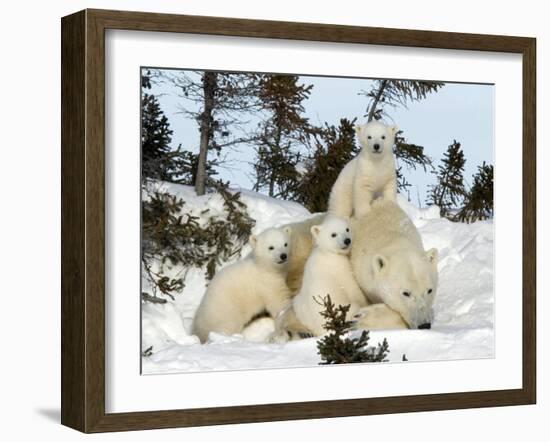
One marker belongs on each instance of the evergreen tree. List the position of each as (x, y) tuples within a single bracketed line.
[(478, 203), (396, 93), (174, 236), (449, 191), (337, 348), (156, 135), (222, 99), (159, 161), (334, 147), (281, 134)]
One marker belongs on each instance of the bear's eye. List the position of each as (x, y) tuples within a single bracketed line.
[(369, 137), (347, 230), (270, 247), (333, 235), (407, 294), (383, 137), (430, 291), (286, 244)]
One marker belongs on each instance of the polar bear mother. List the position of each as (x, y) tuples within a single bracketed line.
[(391, 266)]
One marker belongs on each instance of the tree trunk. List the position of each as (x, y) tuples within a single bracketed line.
[(377, 100), (209, 85)]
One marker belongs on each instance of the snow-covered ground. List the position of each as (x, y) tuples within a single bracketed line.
[(464, 307)]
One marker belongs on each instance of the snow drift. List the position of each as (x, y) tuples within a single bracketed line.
[(464, 307)]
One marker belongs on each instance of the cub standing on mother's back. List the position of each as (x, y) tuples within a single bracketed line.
[(369, 175)]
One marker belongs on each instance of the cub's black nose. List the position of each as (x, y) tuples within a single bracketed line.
[(426, 325), (283, 256), (376, 147), (347, 241)]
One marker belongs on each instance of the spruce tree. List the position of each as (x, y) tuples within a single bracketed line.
[(334, 147), (218, 102), (281, 135), (449, 190), (159, 160), (478, 203), (386, 94), (156, 135)]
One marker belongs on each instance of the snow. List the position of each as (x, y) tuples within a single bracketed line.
[(464, 307)]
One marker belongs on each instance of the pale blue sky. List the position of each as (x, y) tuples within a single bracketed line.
[(464, 112)]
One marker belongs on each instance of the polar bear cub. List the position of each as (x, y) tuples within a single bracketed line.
[(328, 272), (369, 175), (242, 290)]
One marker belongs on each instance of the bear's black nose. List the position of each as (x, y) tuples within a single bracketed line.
[(426, 325), (376, 147), (347, 241), (283, 256)]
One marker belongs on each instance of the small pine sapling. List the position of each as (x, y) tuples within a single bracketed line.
[(337, 348)]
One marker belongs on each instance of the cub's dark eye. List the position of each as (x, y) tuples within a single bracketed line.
[(286, 244), (430, 291), (270, 247), (407, 294), (369, 137), (333, 235), (383, 137), (347, 230)]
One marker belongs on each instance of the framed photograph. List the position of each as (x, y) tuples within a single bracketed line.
[(267, 220)]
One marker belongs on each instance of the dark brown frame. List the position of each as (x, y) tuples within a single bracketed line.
[(83, 216)]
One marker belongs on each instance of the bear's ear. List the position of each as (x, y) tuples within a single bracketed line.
[(394, 129), (357, 128), (315, 230), (287, 230), (432, 256), (253, 240), (378, 263)]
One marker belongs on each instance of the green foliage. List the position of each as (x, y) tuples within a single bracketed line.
[(396, 93), (172, 236), (337, 348), (450, 193), (281, 134), (334, 147), (156, 137), (478, 203), (219, 102), (159, 160), (411, 156), (449, 190)]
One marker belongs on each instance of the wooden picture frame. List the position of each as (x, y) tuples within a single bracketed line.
[(83, 220)]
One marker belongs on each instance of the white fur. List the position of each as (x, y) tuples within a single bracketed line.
[(327, 272), (378, 317), (389, 261), (243, 289), (368, 176), (301, 243)]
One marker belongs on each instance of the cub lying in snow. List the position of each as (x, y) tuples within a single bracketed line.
[(242, 290), (370, 174), (327, 272)]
